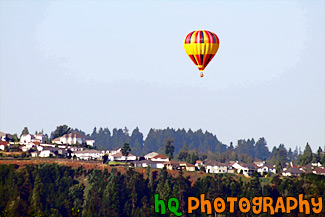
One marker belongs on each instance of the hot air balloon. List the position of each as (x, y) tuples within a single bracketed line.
[(201, 46)]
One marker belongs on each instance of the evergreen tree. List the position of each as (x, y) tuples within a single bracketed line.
[(36, 202), (261, 150), (25, 131), (318, 155), (307, 156), (169, 148), (126, 149), (136, 141), (60, 131)]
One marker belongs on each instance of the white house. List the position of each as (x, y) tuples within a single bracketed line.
[(35, 153), (71, 139), (90, 142), (318, 164), (150, 155), (152, 164), (48, 145), (26, 138), (56, 141), (247, 169), (259, 163), (2, 136), (198, 164), (119, 157), (319, 171), (28, 146), (292, 171), (38, 138), (187, 166), (212, 166), (115, 150), (46, 153), (89, 154), (143, 163), (157, 164), (3, 144), (160, 157), (24, 148), (266, 169), (5, 137)]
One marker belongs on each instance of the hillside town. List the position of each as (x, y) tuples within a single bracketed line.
[(75, 146)]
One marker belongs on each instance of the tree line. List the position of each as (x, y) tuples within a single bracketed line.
[(191, 145)]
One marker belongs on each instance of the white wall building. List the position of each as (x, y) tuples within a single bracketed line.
[(46, 153), (3, 145), (88, 154), (71, 139), (212, 166), (119, 157), (248, 169), (160, 157), (150, 155), (90, 142), (26, 138)]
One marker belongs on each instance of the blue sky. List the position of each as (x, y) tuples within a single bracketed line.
[(122, 63)]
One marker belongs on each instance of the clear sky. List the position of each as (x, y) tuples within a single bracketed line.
[(122, 63)]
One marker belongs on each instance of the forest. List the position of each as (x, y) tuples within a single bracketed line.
[(198, 145), (190, 146), (58, 190)]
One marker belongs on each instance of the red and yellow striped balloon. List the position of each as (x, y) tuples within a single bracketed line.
[(201, 46)]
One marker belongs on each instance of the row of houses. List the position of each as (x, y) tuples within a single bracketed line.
[(292, 170), (67, 139), (64, 146)]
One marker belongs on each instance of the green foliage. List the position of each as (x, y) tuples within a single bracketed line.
[(25, 131), (105, 158), (55, 190), (15, 138), (60, 131), (169, 148), (279, 157), (307, 156), (126, 149)]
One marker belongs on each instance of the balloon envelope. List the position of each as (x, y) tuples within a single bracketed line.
[(201, 46)]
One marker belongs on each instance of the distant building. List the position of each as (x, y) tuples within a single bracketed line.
[(160, 157), (119, 157), (198, 164), (115, 150), (70, 139), (212, 166), (247, 169), (259, 163), (152, 164), (88, 154), (171, 165), (319, 171), (187, 166), (26, 138), (3, 145), (5, 137), (266, 169), (150, 155), (90, 142), (35, 153), (292, 171), (47, 153)]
